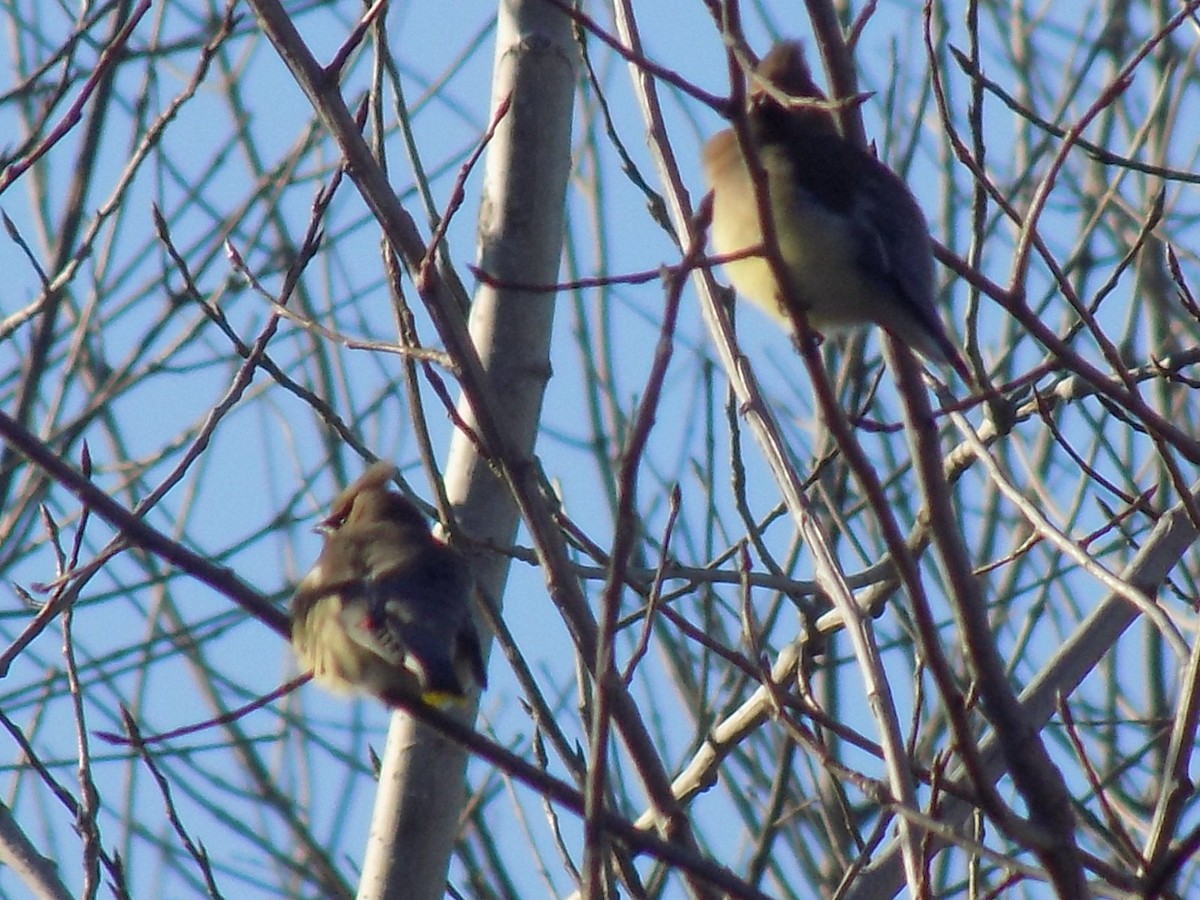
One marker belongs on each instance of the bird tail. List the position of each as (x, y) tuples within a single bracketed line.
[(440, 682)]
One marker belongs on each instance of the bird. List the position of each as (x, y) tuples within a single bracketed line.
[(853, 240), (386, 609)]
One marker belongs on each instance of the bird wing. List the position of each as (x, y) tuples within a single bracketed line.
[(413, 617), (904, 259)]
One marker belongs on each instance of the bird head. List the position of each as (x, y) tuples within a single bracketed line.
[(369, 500), (783, 77)]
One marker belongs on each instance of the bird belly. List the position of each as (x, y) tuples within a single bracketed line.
[(818, 255), (338, 662), (330, 658)]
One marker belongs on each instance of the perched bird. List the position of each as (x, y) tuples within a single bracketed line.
[(851, 235), (386, 609)]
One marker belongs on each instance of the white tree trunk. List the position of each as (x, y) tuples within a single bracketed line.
[(420, 799)]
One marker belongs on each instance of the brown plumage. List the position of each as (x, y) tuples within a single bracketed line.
[(386, 608), (851, 235)]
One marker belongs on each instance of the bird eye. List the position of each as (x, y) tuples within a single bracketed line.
[(331, 523)]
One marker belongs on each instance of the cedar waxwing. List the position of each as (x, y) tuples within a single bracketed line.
[(386, 609), (850, 233)]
